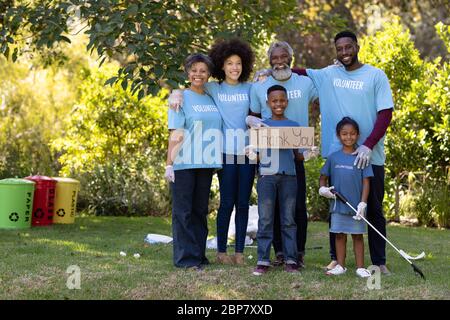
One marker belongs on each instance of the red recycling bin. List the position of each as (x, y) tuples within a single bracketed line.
[(44, 200)]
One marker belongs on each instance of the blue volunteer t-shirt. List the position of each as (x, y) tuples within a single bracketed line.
[(233, 102), (202, 139), (301, 92), (346, 178), (358, 94), (277, 161)]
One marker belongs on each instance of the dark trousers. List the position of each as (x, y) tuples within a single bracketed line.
[(236, 182), (377, 245), (190, 198), (301, 218)]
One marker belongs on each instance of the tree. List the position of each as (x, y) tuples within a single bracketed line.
[(116, 145), (151, 38), (33, 103), (315, 48)]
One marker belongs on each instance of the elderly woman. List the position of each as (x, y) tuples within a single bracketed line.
[(191, 162)]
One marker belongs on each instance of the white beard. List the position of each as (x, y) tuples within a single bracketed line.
[(281, 74)]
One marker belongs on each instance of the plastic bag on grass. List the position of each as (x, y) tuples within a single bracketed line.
[(153, 238)]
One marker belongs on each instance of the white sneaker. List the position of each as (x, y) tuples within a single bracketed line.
[(337, 270), (363, 273)]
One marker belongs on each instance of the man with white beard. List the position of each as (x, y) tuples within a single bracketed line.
[(301, 92)]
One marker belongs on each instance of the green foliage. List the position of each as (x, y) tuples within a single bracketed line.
[(427, 199), (116, 145), (214, 196), (33, 102), (317, 206), (20, 21), (151, 38), (444, 33)]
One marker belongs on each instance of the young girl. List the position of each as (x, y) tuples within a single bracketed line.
[(340, 173)]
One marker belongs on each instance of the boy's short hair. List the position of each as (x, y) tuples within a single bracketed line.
[(276, 87)]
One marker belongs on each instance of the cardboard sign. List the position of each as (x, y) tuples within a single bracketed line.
[(282, 137)]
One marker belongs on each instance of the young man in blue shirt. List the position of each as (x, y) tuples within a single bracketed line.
[(362, 92)]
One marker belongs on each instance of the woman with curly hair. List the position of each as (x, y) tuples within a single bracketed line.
[(233, 63)]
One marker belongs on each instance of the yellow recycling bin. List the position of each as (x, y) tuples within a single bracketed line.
[(66, 195)]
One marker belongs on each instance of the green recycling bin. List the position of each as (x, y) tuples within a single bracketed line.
[(16, 203)]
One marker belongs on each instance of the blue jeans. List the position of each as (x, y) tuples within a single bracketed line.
[(190, 198), (236, 182), (281, 188), (301, 216)]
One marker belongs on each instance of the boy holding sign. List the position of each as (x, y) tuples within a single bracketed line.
[(277, 182)]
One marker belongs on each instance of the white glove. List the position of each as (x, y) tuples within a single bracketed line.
[(261, 75), (169, 175), (361, 211), (336, 62), (250, 152), (254, 122), (175, 99), (326, 192), (363, 156), (310, 154)]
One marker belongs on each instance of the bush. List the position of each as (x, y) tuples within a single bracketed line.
[(33, 104), (427, 200), (316, 205), (116, 145), (437, 193)]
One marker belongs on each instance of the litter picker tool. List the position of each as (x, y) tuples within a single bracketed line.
[(401, 252)]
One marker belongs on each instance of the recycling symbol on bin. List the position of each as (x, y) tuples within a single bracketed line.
[(61, 212), (14, 217), (39, 213)]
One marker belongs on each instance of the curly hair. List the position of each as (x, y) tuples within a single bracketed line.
[(223, 49)]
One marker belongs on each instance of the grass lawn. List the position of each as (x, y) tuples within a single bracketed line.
[(34, 264)]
